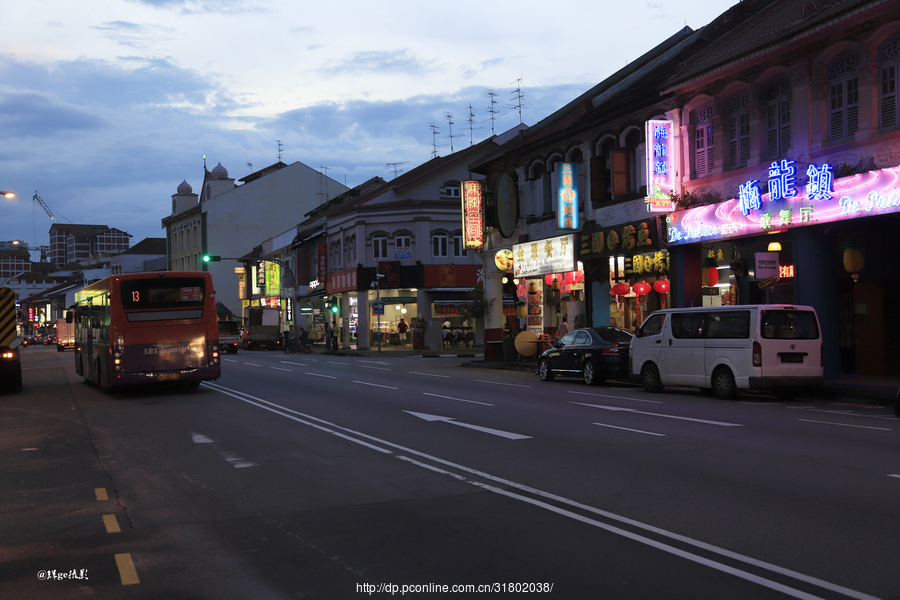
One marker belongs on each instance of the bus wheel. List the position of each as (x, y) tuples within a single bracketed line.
[(723, 383)]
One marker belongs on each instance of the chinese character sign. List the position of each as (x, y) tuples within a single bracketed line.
[(567, 195), (781, 180), (660, 169), (473, 215), (544, 257)]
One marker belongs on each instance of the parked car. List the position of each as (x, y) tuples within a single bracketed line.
[(593, 353)]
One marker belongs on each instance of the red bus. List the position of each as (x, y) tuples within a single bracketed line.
[(146, 327)]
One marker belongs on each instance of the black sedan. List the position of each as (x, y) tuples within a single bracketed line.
[(593, 353)]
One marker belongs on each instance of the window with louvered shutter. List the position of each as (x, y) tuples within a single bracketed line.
[(621, 174), (889, 58), (778, 119), (704, 141), (738, 131), (843, 98)]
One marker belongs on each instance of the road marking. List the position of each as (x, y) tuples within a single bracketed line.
[(641, 412), (287, 362), (231, 360), (428, 374), (101, 494), (233, 459), (320, 375), (379, 368), (111, 524), (331, 428), (127, 572), (457, 399), (331, 362), (504, 434), (252, 364), (895, 476), (501, 383), (375, 362), (845, 425), (282, 369), (627, 429), (848, 413), (616, 397), (376, 385)]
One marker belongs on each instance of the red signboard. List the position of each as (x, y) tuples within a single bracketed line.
[(341, 281), (473, 215), (438, 276), (322, 260)]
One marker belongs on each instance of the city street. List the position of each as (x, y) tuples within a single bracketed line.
[(297, 476)]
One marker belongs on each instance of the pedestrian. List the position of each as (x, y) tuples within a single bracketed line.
[(445, 332), (458, 334), (327, 335), (335, 331), (563, 327), (402, 328), (304, 337)]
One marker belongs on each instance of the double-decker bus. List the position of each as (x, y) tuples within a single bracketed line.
[(147, 327)]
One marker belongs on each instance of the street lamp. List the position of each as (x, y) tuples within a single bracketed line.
[(8, 194)]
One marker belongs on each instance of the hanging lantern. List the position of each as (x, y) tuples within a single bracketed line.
[(621, 289), (662, 286), (709, 271), (853, 257), (641, 288), (522, 311), (577, 276)]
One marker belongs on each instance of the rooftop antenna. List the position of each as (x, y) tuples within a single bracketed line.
[(472, 127), (280, 147), (493, 112), (451, 136), (434, 144), (250, 166), (395, 167), (518, 97)]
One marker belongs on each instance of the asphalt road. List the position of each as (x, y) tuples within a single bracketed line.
[(339, 477)]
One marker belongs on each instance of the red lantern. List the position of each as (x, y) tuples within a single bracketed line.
[(662, 286), (621, 289), (641, 288), (578, 276)]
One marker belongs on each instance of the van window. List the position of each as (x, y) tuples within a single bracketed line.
[(688, 325), (729, 325), (653, 325), (789, 325)]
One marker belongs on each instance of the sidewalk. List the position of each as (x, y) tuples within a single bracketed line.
[(848, 387)]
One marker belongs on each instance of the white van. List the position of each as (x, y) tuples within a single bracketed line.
[(726, 348)]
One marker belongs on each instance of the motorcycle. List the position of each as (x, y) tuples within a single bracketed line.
[(294, 345)]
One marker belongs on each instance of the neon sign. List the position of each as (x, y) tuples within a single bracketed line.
[(821, 200), (660, 170), (567, 196), (473, 215)]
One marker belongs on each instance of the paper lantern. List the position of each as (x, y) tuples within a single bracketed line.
[(621, 289), (662, 286), (577, 276), (641, 288), (853, 260), (522, 311), (709, 271)]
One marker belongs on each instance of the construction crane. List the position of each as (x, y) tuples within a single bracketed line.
[(44, 206)]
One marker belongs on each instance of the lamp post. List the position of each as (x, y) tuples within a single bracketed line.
[(377, 284), (8, 194)]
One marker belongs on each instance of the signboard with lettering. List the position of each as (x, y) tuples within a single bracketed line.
[(467, 276), (567, 196), (473, 215), (628, 238), (543, 257), (341, 281), (766, 265), (660, 169), (789, 204), (391, 271)]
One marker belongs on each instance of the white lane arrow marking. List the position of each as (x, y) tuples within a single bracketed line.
[(497, 432), (642, 412)]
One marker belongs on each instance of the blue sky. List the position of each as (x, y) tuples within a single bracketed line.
[(105, 107)]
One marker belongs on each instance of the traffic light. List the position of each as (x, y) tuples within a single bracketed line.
[(210, 258), (335, 308)]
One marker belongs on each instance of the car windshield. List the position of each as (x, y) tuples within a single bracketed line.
[(613, 336)]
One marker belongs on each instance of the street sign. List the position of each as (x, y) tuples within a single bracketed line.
[(766, 265), (766, 282), (378, 308)]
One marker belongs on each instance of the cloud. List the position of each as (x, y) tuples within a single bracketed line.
[(378, 62), (135, 35), (36, 115)]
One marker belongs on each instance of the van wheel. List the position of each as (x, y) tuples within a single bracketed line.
[(544, 370), (650, 378), (589, 372), (723, 383)]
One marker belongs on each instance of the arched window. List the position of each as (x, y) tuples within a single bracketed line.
[(843, 98), (738, 130), (778, 119), (704, 141), (889, 59)]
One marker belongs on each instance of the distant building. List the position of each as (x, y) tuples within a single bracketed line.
[(147, 255), (14, 260), (71, 243)]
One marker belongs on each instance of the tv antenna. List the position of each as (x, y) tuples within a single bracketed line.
[(250, 166), (434, 144), (395, 167), (492, 111), (280, 148), (472, 128), (323, 184), (451, 136), (518, 97)]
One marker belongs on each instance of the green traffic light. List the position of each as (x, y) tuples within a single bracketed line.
[(334, 308)]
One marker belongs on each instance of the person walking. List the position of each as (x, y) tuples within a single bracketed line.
[(335, 332), (563, 327), (402, 328), (327, 335)]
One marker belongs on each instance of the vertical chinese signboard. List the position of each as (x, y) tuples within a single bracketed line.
[(567, 196), (322, 261), (660, 170), (273, 280), (473, 215)]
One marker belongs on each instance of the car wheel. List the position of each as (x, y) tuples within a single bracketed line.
[(724, 386), (650, 378), (544, 370), (589, 372)]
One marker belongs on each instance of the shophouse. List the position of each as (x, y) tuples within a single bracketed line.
[(398, 253), (787, 150), (227, 220)]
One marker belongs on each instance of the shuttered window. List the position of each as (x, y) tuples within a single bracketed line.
[(738, 131), (704, 141), (889, 59), (843, 98), (778, 119)]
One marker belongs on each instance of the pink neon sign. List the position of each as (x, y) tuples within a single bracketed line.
[(865, 195)]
